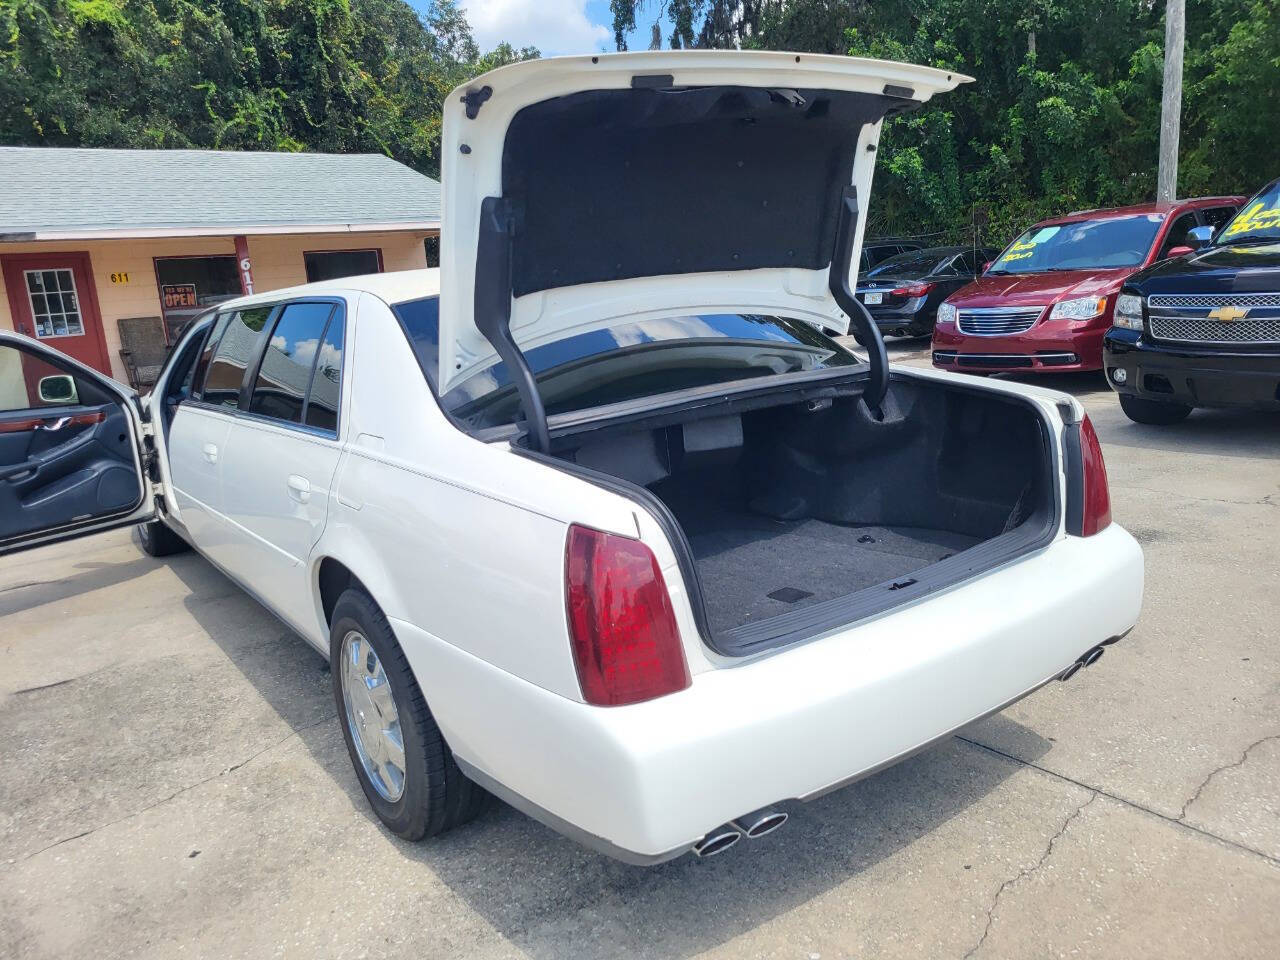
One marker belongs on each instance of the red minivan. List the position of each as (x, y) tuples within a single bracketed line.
[(1046, 302)]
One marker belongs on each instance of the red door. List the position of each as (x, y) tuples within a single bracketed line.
[(52, 298)]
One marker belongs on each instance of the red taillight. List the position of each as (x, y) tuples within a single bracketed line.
[(1097, 497), (914, 290), (621, 624)]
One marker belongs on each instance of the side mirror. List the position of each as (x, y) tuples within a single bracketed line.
[(987, 266), (1175, 252), (59, 389), (1197, 237)]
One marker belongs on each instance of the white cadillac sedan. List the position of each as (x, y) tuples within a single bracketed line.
[(597, 518)]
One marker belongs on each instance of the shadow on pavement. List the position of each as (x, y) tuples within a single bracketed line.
[(541, 891), (26, 594), (1227, 433)]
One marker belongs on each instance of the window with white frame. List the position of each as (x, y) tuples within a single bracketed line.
[(55, 305)]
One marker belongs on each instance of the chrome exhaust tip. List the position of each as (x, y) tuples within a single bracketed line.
[(760, 823), (1086, 659), (717, 841)]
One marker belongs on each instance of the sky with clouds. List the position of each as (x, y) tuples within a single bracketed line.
[(553, 26)]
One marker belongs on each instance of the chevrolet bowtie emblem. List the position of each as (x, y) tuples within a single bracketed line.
[(1228, 314)]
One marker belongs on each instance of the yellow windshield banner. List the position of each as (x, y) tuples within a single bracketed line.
[(1019, 251), (1256, 218), (1026, 245)]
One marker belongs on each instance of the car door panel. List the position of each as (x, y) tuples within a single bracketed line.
[(69, 465), (196, 473), (200, 428), (282, 456), (277, 504)]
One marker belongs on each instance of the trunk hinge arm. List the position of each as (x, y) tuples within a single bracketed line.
[(492, 308), (864, 329)]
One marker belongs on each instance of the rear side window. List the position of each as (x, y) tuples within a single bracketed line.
[(300, 374), (233, 351), (326, 380)]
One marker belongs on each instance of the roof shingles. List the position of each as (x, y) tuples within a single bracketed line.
[(60, 190)]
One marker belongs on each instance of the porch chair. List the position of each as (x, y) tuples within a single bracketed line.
[(143, 350)]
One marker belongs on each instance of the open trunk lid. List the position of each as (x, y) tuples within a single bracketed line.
[(585, 192)]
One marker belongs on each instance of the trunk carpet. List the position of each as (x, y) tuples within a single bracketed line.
[(753, 568)]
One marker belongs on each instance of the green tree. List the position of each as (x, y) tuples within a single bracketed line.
[(1064, 110), (327, 75)]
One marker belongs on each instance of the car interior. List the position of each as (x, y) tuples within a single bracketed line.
[(66, 454)]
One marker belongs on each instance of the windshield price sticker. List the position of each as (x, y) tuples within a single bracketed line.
[(1027, 246), (1257, 218)]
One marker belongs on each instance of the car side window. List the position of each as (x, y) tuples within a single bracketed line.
[(324, 397), (284, 373), (1177, 235), (29, 382), (1216, 216), (206, 353), (232, 353), (299, 378)]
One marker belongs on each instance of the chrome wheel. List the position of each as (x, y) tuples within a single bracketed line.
[(372, 717)]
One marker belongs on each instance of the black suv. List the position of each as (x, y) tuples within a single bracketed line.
[(1203, 330)]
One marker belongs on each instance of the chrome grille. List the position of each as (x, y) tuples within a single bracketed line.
[(1184, 318), (997, 321), (1211, 300)]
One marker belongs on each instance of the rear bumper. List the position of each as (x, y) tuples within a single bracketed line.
[(913, 313), (1049, 346), (644, 782), (1192, 376)]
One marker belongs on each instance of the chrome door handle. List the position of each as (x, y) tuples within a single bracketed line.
[(211, 452), (56, 425), (299, 488)]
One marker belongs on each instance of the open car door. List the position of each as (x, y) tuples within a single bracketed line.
[(72, 460)]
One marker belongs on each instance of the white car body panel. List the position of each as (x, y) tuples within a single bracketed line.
[(652, 778), (197, 438)]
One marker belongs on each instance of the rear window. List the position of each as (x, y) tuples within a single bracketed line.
[(626, 362), (911, 262)]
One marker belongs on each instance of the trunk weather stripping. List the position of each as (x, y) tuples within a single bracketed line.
[(865, 330)]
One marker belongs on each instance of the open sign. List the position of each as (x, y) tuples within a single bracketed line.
[(175, 296)]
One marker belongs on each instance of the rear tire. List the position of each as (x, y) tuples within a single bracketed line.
[(157, 540), (1154, 412), (430, 794)]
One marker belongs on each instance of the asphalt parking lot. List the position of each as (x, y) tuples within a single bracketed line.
[(174, 782)]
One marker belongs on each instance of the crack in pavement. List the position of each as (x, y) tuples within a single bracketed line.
[(38, 688), (1261, 502), (1026, 872), (1226, 766), (1245, 848), (180, 791)]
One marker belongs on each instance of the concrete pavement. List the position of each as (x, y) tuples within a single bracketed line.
[(175, 784)]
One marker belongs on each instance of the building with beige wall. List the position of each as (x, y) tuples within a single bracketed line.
[(108, 254)]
